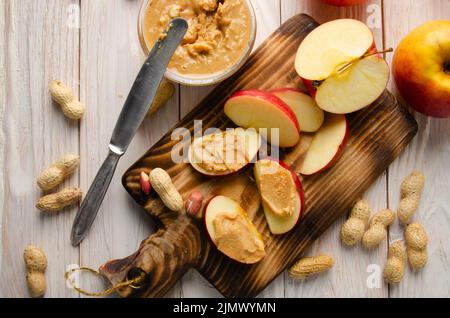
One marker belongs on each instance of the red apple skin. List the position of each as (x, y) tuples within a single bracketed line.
[(415, 69), (271, 99), (338, 153), (298, 185), (311, 89), (344, 3)]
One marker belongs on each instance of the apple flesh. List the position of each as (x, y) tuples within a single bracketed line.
[(339, 67), (264, 112), (279, 224), (309, 115), (344, 3), (222, 204), (330, 45), (251, 141), (327, 145), (357, 87), (421, 69)]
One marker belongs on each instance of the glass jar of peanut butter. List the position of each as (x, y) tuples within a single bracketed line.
[(220, 37)]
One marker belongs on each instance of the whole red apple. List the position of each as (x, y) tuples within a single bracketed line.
[(343, 3), (421, 69)]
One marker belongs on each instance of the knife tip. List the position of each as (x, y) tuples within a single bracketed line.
[(76, 239), (179, 23)]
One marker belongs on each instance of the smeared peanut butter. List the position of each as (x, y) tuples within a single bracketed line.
[(218, 33), (278, 189), (237, 238), (222, 152)]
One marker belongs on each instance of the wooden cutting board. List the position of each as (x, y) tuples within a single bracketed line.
[(378, 134)]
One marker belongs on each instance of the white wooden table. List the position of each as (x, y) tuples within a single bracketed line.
[(93, 46)]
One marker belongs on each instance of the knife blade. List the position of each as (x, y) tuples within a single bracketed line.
[(131, 117)]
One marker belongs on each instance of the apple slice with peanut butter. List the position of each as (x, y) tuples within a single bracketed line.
[(232, 232), (225, 152), (281, 193)]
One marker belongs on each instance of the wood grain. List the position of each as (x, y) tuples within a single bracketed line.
[(351, 264), (111, 57), (3, 86), (374, 143), (429, 153), (35, 133)]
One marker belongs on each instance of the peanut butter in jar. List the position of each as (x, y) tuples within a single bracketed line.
[(220, 34)]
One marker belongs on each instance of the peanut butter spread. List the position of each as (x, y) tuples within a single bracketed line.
[(278, 189), (237, 238), (219, 31), (223, 152)]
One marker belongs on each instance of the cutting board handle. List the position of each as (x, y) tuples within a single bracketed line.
[(164, 257)]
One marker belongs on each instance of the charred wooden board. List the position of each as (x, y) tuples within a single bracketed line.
[(378, 134)]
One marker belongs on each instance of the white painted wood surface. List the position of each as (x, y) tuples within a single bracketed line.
[(40, 41), (37, 48), (430, 153)]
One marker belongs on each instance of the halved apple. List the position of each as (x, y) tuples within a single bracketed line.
[(231, 230), (340, 66), (224, 153), (327, 145), (259, 110), (355, 88), (331, 45), (281, 194), (309, 115)]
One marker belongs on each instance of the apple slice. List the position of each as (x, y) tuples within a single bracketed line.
[(281, 194), (232, 232), (309, 115), (258, 109), (330, 45), (224, 153), (327, 145), (340, 66), (355, 88)]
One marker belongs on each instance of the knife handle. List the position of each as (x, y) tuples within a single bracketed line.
[(91, 203)]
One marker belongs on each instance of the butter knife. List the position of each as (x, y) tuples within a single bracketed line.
[(133, 113)]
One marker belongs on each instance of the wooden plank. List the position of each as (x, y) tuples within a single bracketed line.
[(3, 85), (373, 144), (268, 20), (349, 276), (429, 153), (111, 56), (37, 46)]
